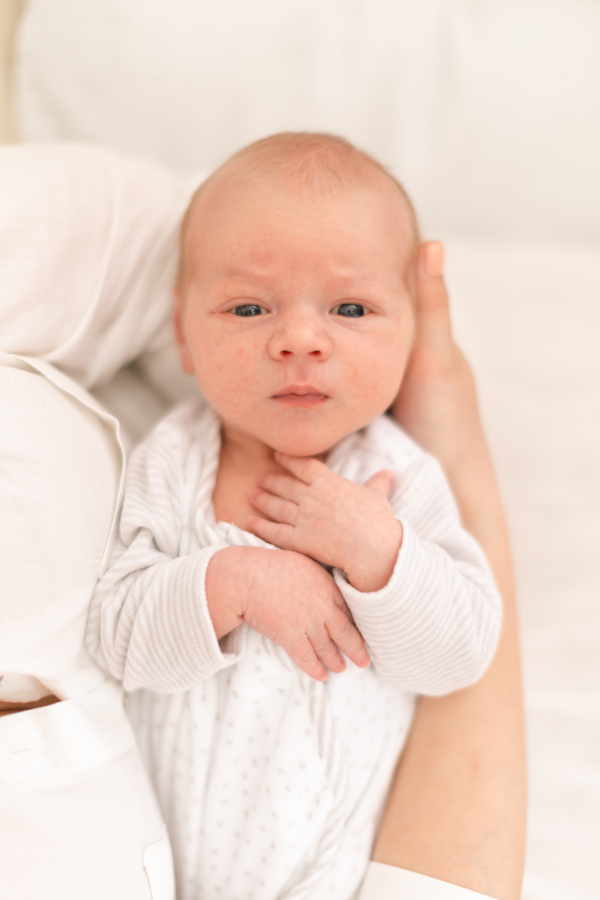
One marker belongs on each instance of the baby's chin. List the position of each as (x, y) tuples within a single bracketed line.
[(297, 432), (304, 440)]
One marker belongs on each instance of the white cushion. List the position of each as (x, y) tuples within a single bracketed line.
[(88, 253), (88, 250), (61, 470), (487, 109)]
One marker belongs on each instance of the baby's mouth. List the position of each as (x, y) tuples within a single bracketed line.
[(300, 395)]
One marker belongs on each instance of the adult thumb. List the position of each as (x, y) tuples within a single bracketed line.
[(381, 482), (431, 290)]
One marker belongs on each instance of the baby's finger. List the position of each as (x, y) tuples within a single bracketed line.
[(283, 486), (305, 468), (348, 638), (325, 649), (381, 482), (277, 509), (341, 604), (306, 659), (273, 532)]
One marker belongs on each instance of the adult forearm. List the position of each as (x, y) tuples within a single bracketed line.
[(457, 808)]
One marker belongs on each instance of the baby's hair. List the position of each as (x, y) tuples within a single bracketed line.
[(307, 160)]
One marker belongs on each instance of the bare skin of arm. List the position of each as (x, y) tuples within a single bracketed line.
[(457, 807), (7, 708)]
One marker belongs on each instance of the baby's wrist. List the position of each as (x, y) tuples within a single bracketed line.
[(370, 568), (224, 586)]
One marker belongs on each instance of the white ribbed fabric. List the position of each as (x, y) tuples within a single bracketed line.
[(271, 783)]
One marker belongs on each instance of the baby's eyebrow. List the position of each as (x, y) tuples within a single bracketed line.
[(343, 280), (244, 273)]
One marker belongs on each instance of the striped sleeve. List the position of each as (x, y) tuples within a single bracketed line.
[(149, 624), (434, 627)]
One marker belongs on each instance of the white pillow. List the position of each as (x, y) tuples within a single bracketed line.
[(88, 253), (88, 249), (61, 469), (487, 110)]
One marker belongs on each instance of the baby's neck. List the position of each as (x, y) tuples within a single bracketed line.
[(242, 460), (244, 451)]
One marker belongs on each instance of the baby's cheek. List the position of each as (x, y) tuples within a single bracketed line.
[(378, 381)]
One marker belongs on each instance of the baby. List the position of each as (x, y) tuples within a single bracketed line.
[(288, 529)]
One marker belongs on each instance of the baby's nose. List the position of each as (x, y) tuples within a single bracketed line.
[(301, 335)]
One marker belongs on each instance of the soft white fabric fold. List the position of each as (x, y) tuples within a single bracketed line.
[(88, 254)]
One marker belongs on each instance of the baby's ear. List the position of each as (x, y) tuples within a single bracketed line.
[(185, 356)]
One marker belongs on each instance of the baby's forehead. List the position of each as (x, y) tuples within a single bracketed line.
[(241, 175), (274, 169)]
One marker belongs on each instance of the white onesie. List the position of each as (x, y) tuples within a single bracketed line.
[(272, 784)]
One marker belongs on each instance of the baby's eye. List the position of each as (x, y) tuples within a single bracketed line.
[(249, 309), (350, 310)]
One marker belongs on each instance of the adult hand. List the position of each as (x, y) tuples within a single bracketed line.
[(437, 403), (457, 808)]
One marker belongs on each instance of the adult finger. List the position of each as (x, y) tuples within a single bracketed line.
[(432, 296), (381, 482), (347, 638), (277, 509)]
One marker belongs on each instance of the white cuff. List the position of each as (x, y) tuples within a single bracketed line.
[(389, 883)]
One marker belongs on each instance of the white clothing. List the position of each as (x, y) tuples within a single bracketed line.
[(88, 254), (61, 467), (389, 883), (270, 782), (78, 817)]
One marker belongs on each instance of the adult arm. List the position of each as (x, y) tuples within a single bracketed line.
[(457, 807)]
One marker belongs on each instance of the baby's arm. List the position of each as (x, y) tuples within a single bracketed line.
[(289, 599), (158, 626), (156, 618), (149, 623), (432, 622)]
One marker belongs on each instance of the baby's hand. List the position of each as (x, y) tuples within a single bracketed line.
[(288, 598), (331, 519)]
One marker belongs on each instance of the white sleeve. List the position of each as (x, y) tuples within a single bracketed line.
[(383, 882), (149, 623), (434, 627)]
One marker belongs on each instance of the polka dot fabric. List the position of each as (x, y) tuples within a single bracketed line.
[(271, 783)]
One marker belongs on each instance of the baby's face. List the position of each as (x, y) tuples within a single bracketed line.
[(296, 311)]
